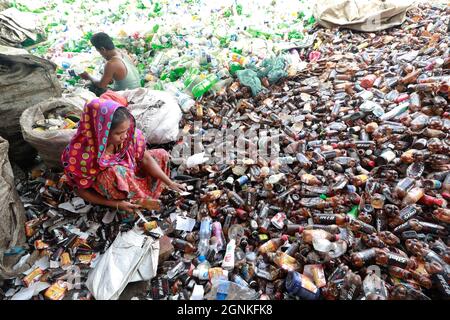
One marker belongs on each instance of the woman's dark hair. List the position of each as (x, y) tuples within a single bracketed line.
[(102, 40), (120, 115)]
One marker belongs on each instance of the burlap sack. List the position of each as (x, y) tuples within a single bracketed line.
[(51, 143), (12, 218), (25, 80), (361, 15)]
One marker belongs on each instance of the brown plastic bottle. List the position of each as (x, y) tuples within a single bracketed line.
[(351, 287), (389, 238), (386, 258), (358, 225), (400, 273), (308, 235), (292, 229), (423, 280), (442, 214), (293, 249), (404, 215), (183, 245), (235, 199), (412, 196), (331, 228), (362, 258), (272, 245), (338, 219), (402, 187), (373, 241)]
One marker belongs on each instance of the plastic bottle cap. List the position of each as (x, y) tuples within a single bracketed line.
[(284, 237), (300, 229), (336, 237), (201, 258)]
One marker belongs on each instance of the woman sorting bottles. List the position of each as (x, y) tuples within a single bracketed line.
[(107, 163)]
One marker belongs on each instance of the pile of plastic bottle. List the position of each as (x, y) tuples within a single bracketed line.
[(183, 42)]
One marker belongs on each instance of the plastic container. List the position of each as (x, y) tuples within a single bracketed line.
[(301, 286), (198, 292), (205, 236), (228, 260)]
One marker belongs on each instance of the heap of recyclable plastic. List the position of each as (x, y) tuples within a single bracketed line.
[(183, 42)]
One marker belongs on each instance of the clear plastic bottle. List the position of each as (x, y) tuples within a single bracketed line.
[(184, 100), (202, 270), (218, 233), (205, 236)]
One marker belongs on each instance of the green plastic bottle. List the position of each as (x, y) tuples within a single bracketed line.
[(176, 73), (234, 66), (353, 212), (203, 87), (190, 77)]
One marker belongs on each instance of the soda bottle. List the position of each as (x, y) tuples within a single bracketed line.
[(386, 258), (183, 245), (292, 229), (351, 287), (389, 238), (235, 199), (374, 287), (236, 232), (413, 196), (178, 268), (207, 83), (283, 260), (373, 241), (441, 283), (239, 280), (358, 225), (337, 219), (400, 273), (308, 235), (272, 245), (331, 228), (442, 214), (362, 258), (217, 273)]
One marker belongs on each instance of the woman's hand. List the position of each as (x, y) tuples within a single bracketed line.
[(178, 187), (127, 206)]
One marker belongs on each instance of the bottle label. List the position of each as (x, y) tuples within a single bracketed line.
[(367, 255), (407, 213), (397, 260), (203, 274), (278, 220), (324, 218), (264, 274), (442, 284), (402, 227)]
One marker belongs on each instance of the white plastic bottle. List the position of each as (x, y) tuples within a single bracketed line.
[(198, 292), (228, 260), (202, 270)]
